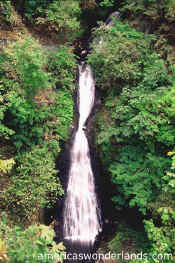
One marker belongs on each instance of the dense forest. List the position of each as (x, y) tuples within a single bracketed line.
[(41, 43)]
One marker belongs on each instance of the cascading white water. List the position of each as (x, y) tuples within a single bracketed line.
[(81, 212)]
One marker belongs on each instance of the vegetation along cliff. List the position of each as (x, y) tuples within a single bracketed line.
[(133, 62)]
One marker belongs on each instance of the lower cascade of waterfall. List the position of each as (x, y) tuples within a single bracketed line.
[(81, 213)]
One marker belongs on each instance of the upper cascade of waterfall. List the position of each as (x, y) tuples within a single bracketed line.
[(110, 20), (86, 93)]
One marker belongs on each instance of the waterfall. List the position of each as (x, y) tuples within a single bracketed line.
[(81, 214)]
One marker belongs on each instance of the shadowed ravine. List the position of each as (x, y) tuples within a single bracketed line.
[(82, 222)]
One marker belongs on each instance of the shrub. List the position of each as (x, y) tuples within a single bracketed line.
[(63, 16), (35, 116), (27, 121), (120, 56), (22, 75), (25, 62), (63, 112), (152, 9), (62, 65), (33, 185), (135, 129), (138, 176), (131, 242), (58, 16), (30, 245), (24, 117), (6, 10), (135, 126), (6, 165), (107, 3)]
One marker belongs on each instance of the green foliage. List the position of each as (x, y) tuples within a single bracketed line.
[(33, 185), (22, 77), (160, 229), (135, 125), (28, 61), (139, 170), (63, 66), (125, 63), (138, 176), (36, 110), (154, 245), (6, 10), (6, 165), (107, 3), (162, 241), (64, 113), (30, 245), (152, 9), (129, 241), (5, 132), (61, 16), (123, 237), (135, 131), (153, 16), (64, 14), (27, 121), (169, 178)]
